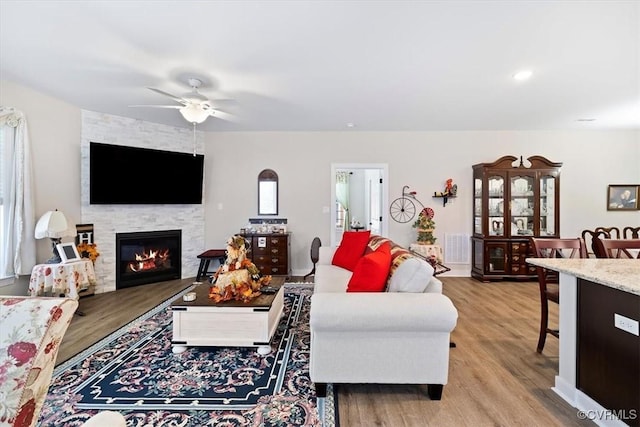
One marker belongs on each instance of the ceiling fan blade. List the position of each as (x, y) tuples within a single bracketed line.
[(158, 106), (222, 115), (224, 101), (175, 98)]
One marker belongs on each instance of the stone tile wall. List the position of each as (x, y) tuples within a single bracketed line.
[(111, 219)]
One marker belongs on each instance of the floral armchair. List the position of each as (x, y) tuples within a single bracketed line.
[(31, 330)]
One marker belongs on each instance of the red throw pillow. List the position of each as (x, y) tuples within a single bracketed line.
[(370, 274), (351, 249)]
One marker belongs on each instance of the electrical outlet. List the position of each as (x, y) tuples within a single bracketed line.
[(624, 323)]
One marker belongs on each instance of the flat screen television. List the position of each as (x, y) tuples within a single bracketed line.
[(141, 176)]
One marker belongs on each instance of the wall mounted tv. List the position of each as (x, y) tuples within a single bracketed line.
[(121, 175)]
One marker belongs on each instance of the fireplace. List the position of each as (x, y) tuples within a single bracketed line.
[(147, 257)]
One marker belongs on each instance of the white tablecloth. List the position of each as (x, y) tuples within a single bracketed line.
[(428, 250), (68, 279)]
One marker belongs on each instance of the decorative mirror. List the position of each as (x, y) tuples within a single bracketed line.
[(268, 192)]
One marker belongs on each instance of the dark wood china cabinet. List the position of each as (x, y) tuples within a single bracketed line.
[(512, 202)]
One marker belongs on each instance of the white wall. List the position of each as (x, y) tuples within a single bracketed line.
[(422, 160), (54, 130)]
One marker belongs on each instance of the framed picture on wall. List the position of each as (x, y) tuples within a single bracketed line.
[(622, 197)]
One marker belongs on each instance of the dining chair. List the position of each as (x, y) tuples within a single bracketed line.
[(631, 233), (548, 279), (594, 237), (622, 248), (612, 232), (315, 255)]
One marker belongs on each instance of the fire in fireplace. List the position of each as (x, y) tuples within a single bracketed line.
[(147, 257), (151, 260)]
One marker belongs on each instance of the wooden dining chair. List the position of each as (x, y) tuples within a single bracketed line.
[(622, 248), (592, 240), (548, 279), (631, 233), (612, 232), (315, 255)]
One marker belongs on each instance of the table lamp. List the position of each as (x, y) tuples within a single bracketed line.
[(53, 224)]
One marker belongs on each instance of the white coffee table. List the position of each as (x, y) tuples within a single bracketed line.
[(227, 324)]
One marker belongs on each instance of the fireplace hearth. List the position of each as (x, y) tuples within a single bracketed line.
[(148, 256)]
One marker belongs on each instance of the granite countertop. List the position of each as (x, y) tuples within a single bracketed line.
[(622, 274)]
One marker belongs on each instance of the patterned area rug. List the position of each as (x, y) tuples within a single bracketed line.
[(134, 372)]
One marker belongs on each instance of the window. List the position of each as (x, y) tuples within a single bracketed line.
[(17, 249)]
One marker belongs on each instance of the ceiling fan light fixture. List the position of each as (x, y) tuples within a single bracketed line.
[(523, 75), (194, 113)]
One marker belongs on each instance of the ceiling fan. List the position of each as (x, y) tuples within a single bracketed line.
[(194, 107)]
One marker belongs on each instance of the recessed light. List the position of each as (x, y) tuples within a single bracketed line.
[(350, 125), (586, 120), (523, 75)]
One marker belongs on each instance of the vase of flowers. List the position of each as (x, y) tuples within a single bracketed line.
[(88, 250), (425, 226)]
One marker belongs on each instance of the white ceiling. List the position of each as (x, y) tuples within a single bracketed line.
[(318, 65)]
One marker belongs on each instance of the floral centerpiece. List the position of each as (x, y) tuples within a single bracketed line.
[(88, 250), (238, 278), (425, 226)]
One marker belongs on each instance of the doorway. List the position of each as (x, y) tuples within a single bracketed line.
[(359, 192)]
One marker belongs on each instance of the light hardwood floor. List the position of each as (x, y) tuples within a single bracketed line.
[(496, 378)]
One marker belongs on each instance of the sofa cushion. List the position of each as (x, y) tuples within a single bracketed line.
[(370, 273), (330, 278), (351, 249), (412, 275)]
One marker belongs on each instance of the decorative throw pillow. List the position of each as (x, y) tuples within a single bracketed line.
[(412, 275), (370, 273), (351, 249)]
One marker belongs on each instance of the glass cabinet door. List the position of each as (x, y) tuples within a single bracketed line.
[(496, 205), (522, 206), (477, 206), (547, 205), (497, 257)]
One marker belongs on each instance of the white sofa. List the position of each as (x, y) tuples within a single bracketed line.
[(380, 337)]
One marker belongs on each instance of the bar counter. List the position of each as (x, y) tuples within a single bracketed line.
[(622, 274), (599, 351)]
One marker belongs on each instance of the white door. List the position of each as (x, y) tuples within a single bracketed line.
[(374, 185), (368, 194)]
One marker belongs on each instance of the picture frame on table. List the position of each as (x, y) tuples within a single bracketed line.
[(68, 252), (623, 197)]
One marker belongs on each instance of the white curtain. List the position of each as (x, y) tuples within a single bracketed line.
[(342, 195), (18, 251)]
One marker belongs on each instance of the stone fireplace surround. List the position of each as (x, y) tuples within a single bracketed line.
[(108, 220)]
